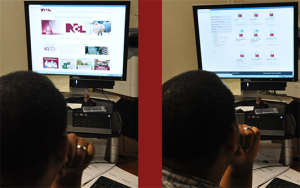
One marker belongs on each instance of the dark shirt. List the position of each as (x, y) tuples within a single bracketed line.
[(174, 179)]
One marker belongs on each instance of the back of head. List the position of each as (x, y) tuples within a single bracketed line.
[(197, 109), (33, 118)]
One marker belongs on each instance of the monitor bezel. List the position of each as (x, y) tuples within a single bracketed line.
[(217, 6), (74, 76)]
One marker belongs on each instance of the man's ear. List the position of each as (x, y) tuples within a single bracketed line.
[(230, 140), (61, 153)]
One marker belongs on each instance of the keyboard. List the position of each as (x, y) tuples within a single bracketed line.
[(104, 182), (280, 183)]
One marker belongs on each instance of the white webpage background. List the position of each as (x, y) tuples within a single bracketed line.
[(114, 41), (224, 58)]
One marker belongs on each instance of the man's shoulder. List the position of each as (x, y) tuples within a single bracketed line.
[(175, 179)]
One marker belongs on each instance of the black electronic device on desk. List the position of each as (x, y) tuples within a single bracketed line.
[(273, 122), (98, 119), (91, 121)]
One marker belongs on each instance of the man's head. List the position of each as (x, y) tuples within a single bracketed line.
[(197, 111), (33, 120)]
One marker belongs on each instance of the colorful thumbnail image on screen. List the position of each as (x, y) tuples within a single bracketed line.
[(96, 50), (101, 64)]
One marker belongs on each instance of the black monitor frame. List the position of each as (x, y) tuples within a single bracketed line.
[(85, 80), (254, 83)]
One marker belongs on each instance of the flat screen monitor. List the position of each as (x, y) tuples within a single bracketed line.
[(83, 39), (256, 43)]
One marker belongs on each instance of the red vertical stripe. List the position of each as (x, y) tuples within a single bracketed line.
[(150, 82)]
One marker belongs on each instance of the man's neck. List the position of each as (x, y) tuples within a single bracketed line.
[(213, 174)]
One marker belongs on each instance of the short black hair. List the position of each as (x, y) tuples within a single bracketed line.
[(197, 109), (33, 119)]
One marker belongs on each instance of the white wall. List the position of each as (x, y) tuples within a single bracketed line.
[(178, 36), (13, 51)]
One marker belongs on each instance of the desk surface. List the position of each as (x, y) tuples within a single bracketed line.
[(127, 161), (296, 165), (296, 155), (128, 165)]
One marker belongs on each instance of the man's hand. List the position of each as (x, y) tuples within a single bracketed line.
[(239, 171), (78, 160), (248, 146)]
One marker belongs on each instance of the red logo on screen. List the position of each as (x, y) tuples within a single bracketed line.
[(45, 10), (75, 28)]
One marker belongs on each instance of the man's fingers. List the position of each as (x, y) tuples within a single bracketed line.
[(81, 153), (251, 135), (255, 146), (90, 154), (249, 138), (242, 137), (257, 134)]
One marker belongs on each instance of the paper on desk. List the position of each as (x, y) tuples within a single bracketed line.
[(74, 105), (118, 175), (122, 176), (268, 155), (62, 83), (245, 108), (290, 175), (263, 175), (107, 96), (286, 100), (234, 85), (269, 151), (94, 170), (100, 148)]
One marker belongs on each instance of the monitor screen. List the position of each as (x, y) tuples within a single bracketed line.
[(82, 39), (253, 42)]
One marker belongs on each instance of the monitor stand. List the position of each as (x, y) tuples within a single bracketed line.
[(252, 90), (78, 88), (82, 92), (247, 95), (75, 92), (251, 95)]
